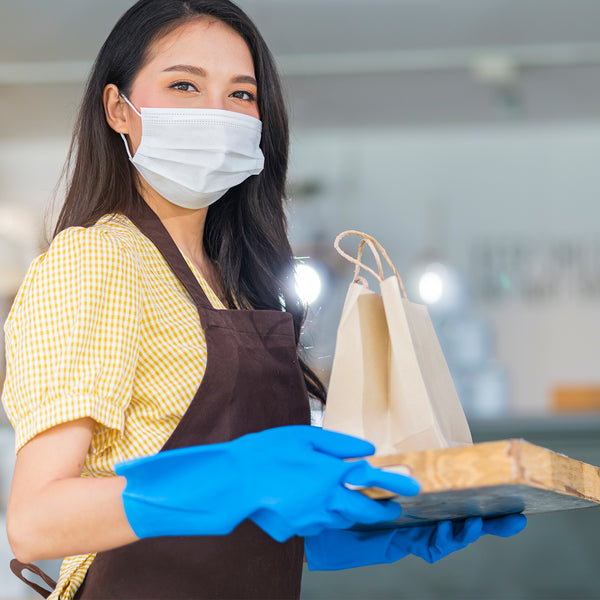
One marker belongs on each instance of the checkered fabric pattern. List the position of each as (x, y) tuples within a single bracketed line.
[(102, 328)]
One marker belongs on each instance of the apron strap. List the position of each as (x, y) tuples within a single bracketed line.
[(17, 567), (147, 221)]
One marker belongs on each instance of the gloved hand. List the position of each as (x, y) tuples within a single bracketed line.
[(288, 480), (332, 550)]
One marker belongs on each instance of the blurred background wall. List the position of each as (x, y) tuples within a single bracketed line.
[(465, 136)]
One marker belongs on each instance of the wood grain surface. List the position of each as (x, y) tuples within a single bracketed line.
[(490, 479)]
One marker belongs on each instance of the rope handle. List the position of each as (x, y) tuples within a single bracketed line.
[(376, 248)]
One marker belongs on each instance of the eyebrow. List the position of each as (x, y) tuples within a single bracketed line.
[(200, 72)]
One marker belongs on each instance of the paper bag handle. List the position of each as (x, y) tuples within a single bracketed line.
[(374, 245)]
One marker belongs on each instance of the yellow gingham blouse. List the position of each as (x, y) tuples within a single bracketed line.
[(102, 328)]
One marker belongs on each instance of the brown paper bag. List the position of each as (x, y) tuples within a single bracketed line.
[(390, 383)]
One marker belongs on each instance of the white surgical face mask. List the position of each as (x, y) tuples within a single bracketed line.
[(193, 156)]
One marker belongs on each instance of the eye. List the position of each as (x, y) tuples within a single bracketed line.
[(244, 95), (184, 86)]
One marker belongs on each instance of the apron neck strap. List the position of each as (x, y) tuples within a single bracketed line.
[(147, 221), (17, 567)]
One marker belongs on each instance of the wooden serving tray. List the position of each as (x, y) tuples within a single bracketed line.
[(490, 479)]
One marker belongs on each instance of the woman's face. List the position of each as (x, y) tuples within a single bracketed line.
[(202, 64)]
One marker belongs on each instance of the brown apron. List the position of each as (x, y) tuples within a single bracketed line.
[(252, 382)]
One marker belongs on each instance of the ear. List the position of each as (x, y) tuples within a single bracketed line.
[(115, 109)]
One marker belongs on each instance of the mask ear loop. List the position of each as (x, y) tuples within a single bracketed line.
[(132, 106), (123, 135)]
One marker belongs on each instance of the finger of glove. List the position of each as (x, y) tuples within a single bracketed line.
[(506, 526), (361, 473), (448, 537), (358, 508), (419, 540), (273, 524), (316, 530), (281, 524), (440, 543), (467, 531), (407, 538), (308, 522), (414, 540), (338, 444)]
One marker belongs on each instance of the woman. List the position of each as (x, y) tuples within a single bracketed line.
[(153, 377)]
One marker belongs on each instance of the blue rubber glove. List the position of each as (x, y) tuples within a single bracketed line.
[(288, 480), (332, 550)]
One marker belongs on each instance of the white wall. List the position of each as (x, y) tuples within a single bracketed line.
[(29, 171)]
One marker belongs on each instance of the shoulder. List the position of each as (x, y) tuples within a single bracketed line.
[(111, 235), (100, 257), (88, 251)]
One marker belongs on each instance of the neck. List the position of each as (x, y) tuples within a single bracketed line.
[(185, 225)]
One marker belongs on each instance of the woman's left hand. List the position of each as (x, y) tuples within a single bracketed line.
[(344, 549)]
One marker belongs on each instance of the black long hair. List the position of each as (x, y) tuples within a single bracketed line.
[(245, 231)]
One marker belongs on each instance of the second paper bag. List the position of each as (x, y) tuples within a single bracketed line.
[(390, 383)]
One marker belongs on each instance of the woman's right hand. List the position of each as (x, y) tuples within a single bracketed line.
[(288, 480)]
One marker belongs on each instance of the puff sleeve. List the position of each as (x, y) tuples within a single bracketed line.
[(72, 337)]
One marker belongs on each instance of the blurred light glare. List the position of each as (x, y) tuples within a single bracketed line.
[(431, 284), (308, 283)]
